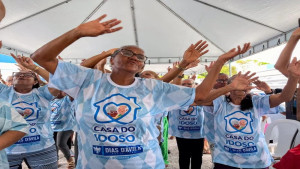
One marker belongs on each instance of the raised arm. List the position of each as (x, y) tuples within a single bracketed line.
[(202, 91), (285, 56), (240, 82), (290, 87), (46, 55), (27, 63), (93, 61), (190, 59), (2, 10)]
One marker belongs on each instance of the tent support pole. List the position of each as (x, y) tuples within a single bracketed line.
[(94, 11), (30, 16), (134, 23)]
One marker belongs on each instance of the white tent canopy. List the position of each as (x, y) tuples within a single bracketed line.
[(163, 28)]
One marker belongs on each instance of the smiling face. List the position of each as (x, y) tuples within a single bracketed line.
[(131, 64)]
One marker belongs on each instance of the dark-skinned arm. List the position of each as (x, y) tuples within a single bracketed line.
[(46, 55)]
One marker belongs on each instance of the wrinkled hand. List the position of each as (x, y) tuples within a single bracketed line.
[(96, 27), (193, 64), (234, 52), (111, 51), (195, 51), (263, 86), (294, 68), (243, 81), (208, 68), (23, 61)]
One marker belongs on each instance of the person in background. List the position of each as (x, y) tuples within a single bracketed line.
[(12, 128), (187, 127), (63, 122)]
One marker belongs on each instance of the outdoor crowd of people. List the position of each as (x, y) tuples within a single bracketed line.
[(121, 118)]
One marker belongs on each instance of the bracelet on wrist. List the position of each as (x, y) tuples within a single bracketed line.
[(180, 77), (36, 68), (180, 68)]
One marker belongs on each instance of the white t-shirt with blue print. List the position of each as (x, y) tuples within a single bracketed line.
[(116, 127), (10, 120), (239, 141), (187, 124), (35, 108), (62, 114)]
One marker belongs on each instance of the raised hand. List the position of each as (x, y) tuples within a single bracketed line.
[(207, 68), (294, 68), (193, 64), (296, 33), (243, 81), (96, 27), (111, 51), (25, 62), (195, 51), (263, 86), (234, 52)]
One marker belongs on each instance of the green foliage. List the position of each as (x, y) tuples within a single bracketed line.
[(225, 69)]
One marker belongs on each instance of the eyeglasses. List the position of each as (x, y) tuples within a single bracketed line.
[(129, 53), (186, 84), (222, 80), (27, 74)]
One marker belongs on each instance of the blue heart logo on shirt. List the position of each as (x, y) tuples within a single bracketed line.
[(190, 112), (116, 108), (116, 111), (25, 112), (238, 124), (30, 111)]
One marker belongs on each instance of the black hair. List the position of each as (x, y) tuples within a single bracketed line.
[(246, 103), (277, 90), (37, 85)]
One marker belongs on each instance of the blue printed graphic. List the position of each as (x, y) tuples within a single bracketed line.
[(29, 111), (29, 139), (239, 121), (189, 128), (190, 112), (251, 149), (117, 150), (116, 108), (54, 107)]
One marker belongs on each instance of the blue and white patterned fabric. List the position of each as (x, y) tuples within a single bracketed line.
[(10, 120), (209, 127), (62, 114), (35, 108), (239, 141), (187, 124), (116, 123)]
